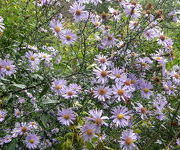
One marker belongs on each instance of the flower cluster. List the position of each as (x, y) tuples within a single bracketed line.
[(105, 85)]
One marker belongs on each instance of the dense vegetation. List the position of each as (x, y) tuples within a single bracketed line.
[(89, 74)]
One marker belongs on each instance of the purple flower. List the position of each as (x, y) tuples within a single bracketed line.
[(3, 114), (102, 93), (97, 118), (166, 42), (121, 116), (18, 113), (160, 102), (127, 140), (118, 75), (66, 116), (169, 87), (1, 24), (78, 12), (143, 111), (67, 37), (69, 92), (109, 41), (102, 60), (58, 86), (88, 131), (56, 26), (7, 67), (102, 74), (146, 89), (20, 129), (121, 92), (7, 139), (32, 141)]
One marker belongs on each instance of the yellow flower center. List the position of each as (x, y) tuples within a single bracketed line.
[(69, 93), (103, 60), (98, 121), (146, 90), (118, 75), (8, 68), (120, 92), (120, 116), (23, 129), (133, 81), (58, 87), (78, 12), (143, 110), (128, 82), (128, 140), (31, 141), (102, 91), (177, 76), (110, 38), (104, 73), (32, 58), (68, 37), (67, 116), (89, 132), (57, 29)]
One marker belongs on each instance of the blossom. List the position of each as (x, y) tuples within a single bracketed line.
[(108, 41), (127, 140), (145, 89), (66, 116), (169, 87), (121, 116), (102, 74), (88, 131), (102, 93), (78, 12), (3, 114), (7, 67), (44, 56), (143, 111), (32, 141), (58, 85), (56, 26), (165, 41), (121, 92), (118, 75), (18, 113), (97, 118), (69, 92), (67, 37), (20, 129), (102, 60)]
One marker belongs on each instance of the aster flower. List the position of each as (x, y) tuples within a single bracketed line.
[(118, 75), (75, 87), (69, 92), (143, 111), (67, 37), (3, 114), (97, 118), (132, 10), (127, 140), (96, 20), (58, 85), (18, 113), (44, 56), (88, 131), (145, 89), (78, 12), (20, 129), (56, 26), (102, 93), (66, 116), (108, 41), (7, 139), (144, 63), (121, 116), (8, 68), (102, 60), (32, 141), (165, 41), (160, 102), (121, 92), (102, 74), (151, 33), (169, 87), (175, 75), (33, 125)]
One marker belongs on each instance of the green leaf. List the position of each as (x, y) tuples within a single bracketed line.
[(21, 86)]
